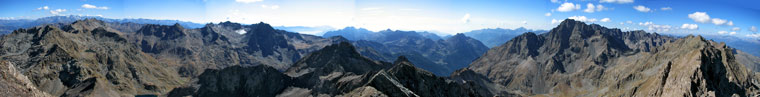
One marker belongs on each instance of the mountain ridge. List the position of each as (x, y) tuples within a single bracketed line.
[(576, 59)]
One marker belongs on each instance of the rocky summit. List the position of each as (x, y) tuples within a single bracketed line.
[(576, 59), (96, 58)]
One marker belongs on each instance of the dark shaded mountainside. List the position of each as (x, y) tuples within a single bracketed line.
[(576, 59), (336, 70), (96, 58), (424, 49)]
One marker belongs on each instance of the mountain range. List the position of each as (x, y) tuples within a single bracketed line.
[(424, 49), (576, 59), (497, 36), (93, 57), (7, 26)]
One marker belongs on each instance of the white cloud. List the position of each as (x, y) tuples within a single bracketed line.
[(567, 7), (554, 1), (591, 8), (629, 22), (718, 21), (753, 29), (88, 6), (655, 27), (605, 20), (600, 7), (645, 23), (726, 32), (642, 8), (270, 6), (736, 29), (690, 26), (756, 35), (700, 17), (57, 11), (248, 1), (524, 22), (7, 18), (466, 18), (554, 21), (43, 8), (582, 19), (548, 14), (666, 8), (730, 23), (616, 1)]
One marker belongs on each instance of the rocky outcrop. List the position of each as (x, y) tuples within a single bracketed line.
[(576, 59), (85, 59), (340, 57), (405, 80), (236, 81), (15, 84)]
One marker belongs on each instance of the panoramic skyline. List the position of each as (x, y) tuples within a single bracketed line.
[(676, 17)]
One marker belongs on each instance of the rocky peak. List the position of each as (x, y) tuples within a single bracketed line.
[(262, 27), (341, 57), (343, 49), (163, 31), (231, 24), (459, 36), (85, 25), (401, 59)]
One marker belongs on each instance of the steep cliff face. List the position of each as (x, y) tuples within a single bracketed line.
[(239, 81), (576, 59), (86, 58), (16, 84)]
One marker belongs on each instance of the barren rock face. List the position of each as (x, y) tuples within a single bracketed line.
[(15, 84), (96, 58), (85, 59), (576, 59)]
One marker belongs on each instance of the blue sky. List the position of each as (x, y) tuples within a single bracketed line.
[(679, 17)]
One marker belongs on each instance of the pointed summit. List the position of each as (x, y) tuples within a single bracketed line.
[(401, 59), (163, 31), (86, 24), (341, 57)]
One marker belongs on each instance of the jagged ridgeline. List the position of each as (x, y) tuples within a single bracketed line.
[(96, 58), (576, 59)]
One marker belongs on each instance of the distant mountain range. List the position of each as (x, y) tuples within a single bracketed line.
[(6, 26), (426, 50), (316, 30), (498, 36)]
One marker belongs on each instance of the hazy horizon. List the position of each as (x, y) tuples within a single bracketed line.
[(679, 17)]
